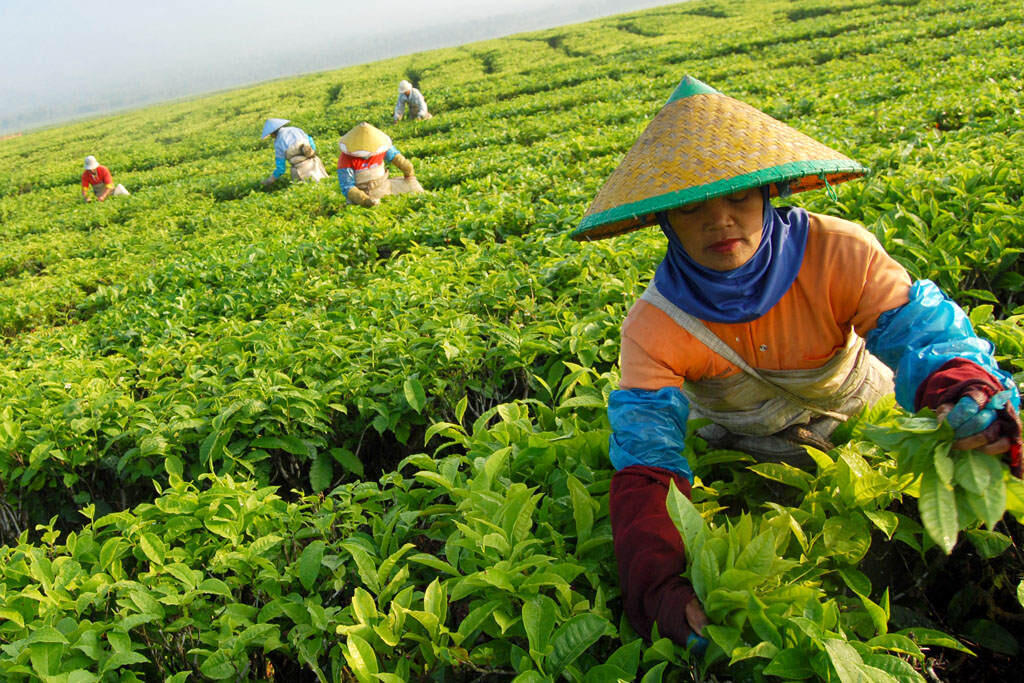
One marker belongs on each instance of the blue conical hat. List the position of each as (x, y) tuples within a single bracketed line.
[(272, 125)]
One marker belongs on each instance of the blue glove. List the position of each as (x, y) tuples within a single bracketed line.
[(966, 418), (696, 644)]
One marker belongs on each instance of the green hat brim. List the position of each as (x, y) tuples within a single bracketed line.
[(636, 215)]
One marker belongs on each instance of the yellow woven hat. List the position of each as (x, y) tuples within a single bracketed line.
[(703, 144), (364, 141)]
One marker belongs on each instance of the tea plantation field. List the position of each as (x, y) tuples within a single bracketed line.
[(253, 433)]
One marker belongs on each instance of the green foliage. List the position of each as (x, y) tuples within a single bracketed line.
[(955, 491), (378, 437), (470, 561)]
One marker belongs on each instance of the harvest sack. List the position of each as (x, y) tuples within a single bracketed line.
[(403, 185), (119, 190), (374, 181), (306, 165)]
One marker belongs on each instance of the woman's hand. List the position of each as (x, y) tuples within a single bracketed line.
[(696, 620), (987, 425), (979, 408), (695, 616)]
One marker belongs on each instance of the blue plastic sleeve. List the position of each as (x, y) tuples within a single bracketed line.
[(311, 143), (346, 180), (279, 168), (649, 428), (924, 334), (391, 153)]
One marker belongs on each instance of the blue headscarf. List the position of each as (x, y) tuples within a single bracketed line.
[(741, 294)]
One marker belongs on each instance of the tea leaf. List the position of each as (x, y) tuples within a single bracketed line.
[(321, 473), (685, 516), (539, 622), (153, 548), (975, 472), (414, 394), (790, 664), (847, 537), (573, 637), (309, 563), (361, 657), (938, 511), (845, 660), (929, 636), (895, 667), (883, 519), (895, 642), (582, 509)]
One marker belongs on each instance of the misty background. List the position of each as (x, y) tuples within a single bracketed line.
[(68, 60)]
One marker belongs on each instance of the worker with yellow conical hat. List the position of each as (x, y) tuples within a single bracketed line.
[(362, 167), (772, 322)]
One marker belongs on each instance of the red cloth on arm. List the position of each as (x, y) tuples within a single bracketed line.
[(953, 380), (650, 551), (949, 382), (101, 174)]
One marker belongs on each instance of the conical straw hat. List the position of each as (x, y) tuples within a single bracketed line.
[(271, 125), (364, 141), (703, 144)]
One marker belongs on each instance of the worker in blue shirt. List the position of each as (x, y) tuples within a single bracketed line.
[(293, 145)]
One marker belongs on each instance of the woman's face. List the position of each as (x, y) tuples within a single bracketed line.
[(721, 233)]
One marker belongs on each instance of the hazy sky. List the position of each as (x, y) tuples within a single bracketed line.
[(66, 59)]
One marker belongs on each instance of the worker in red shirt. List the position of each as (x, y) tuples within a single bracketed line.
[(98, 178)]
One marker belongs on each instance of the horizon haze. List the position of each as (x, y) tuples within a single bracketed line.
[(74, 63)]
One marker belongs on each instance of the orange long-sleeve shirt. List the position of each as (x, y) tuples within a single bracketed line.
[(845, 282)]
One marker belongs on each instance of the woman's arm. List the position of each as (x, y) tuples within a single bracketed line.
[(939, 362), (648, 436), (918, 338)]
